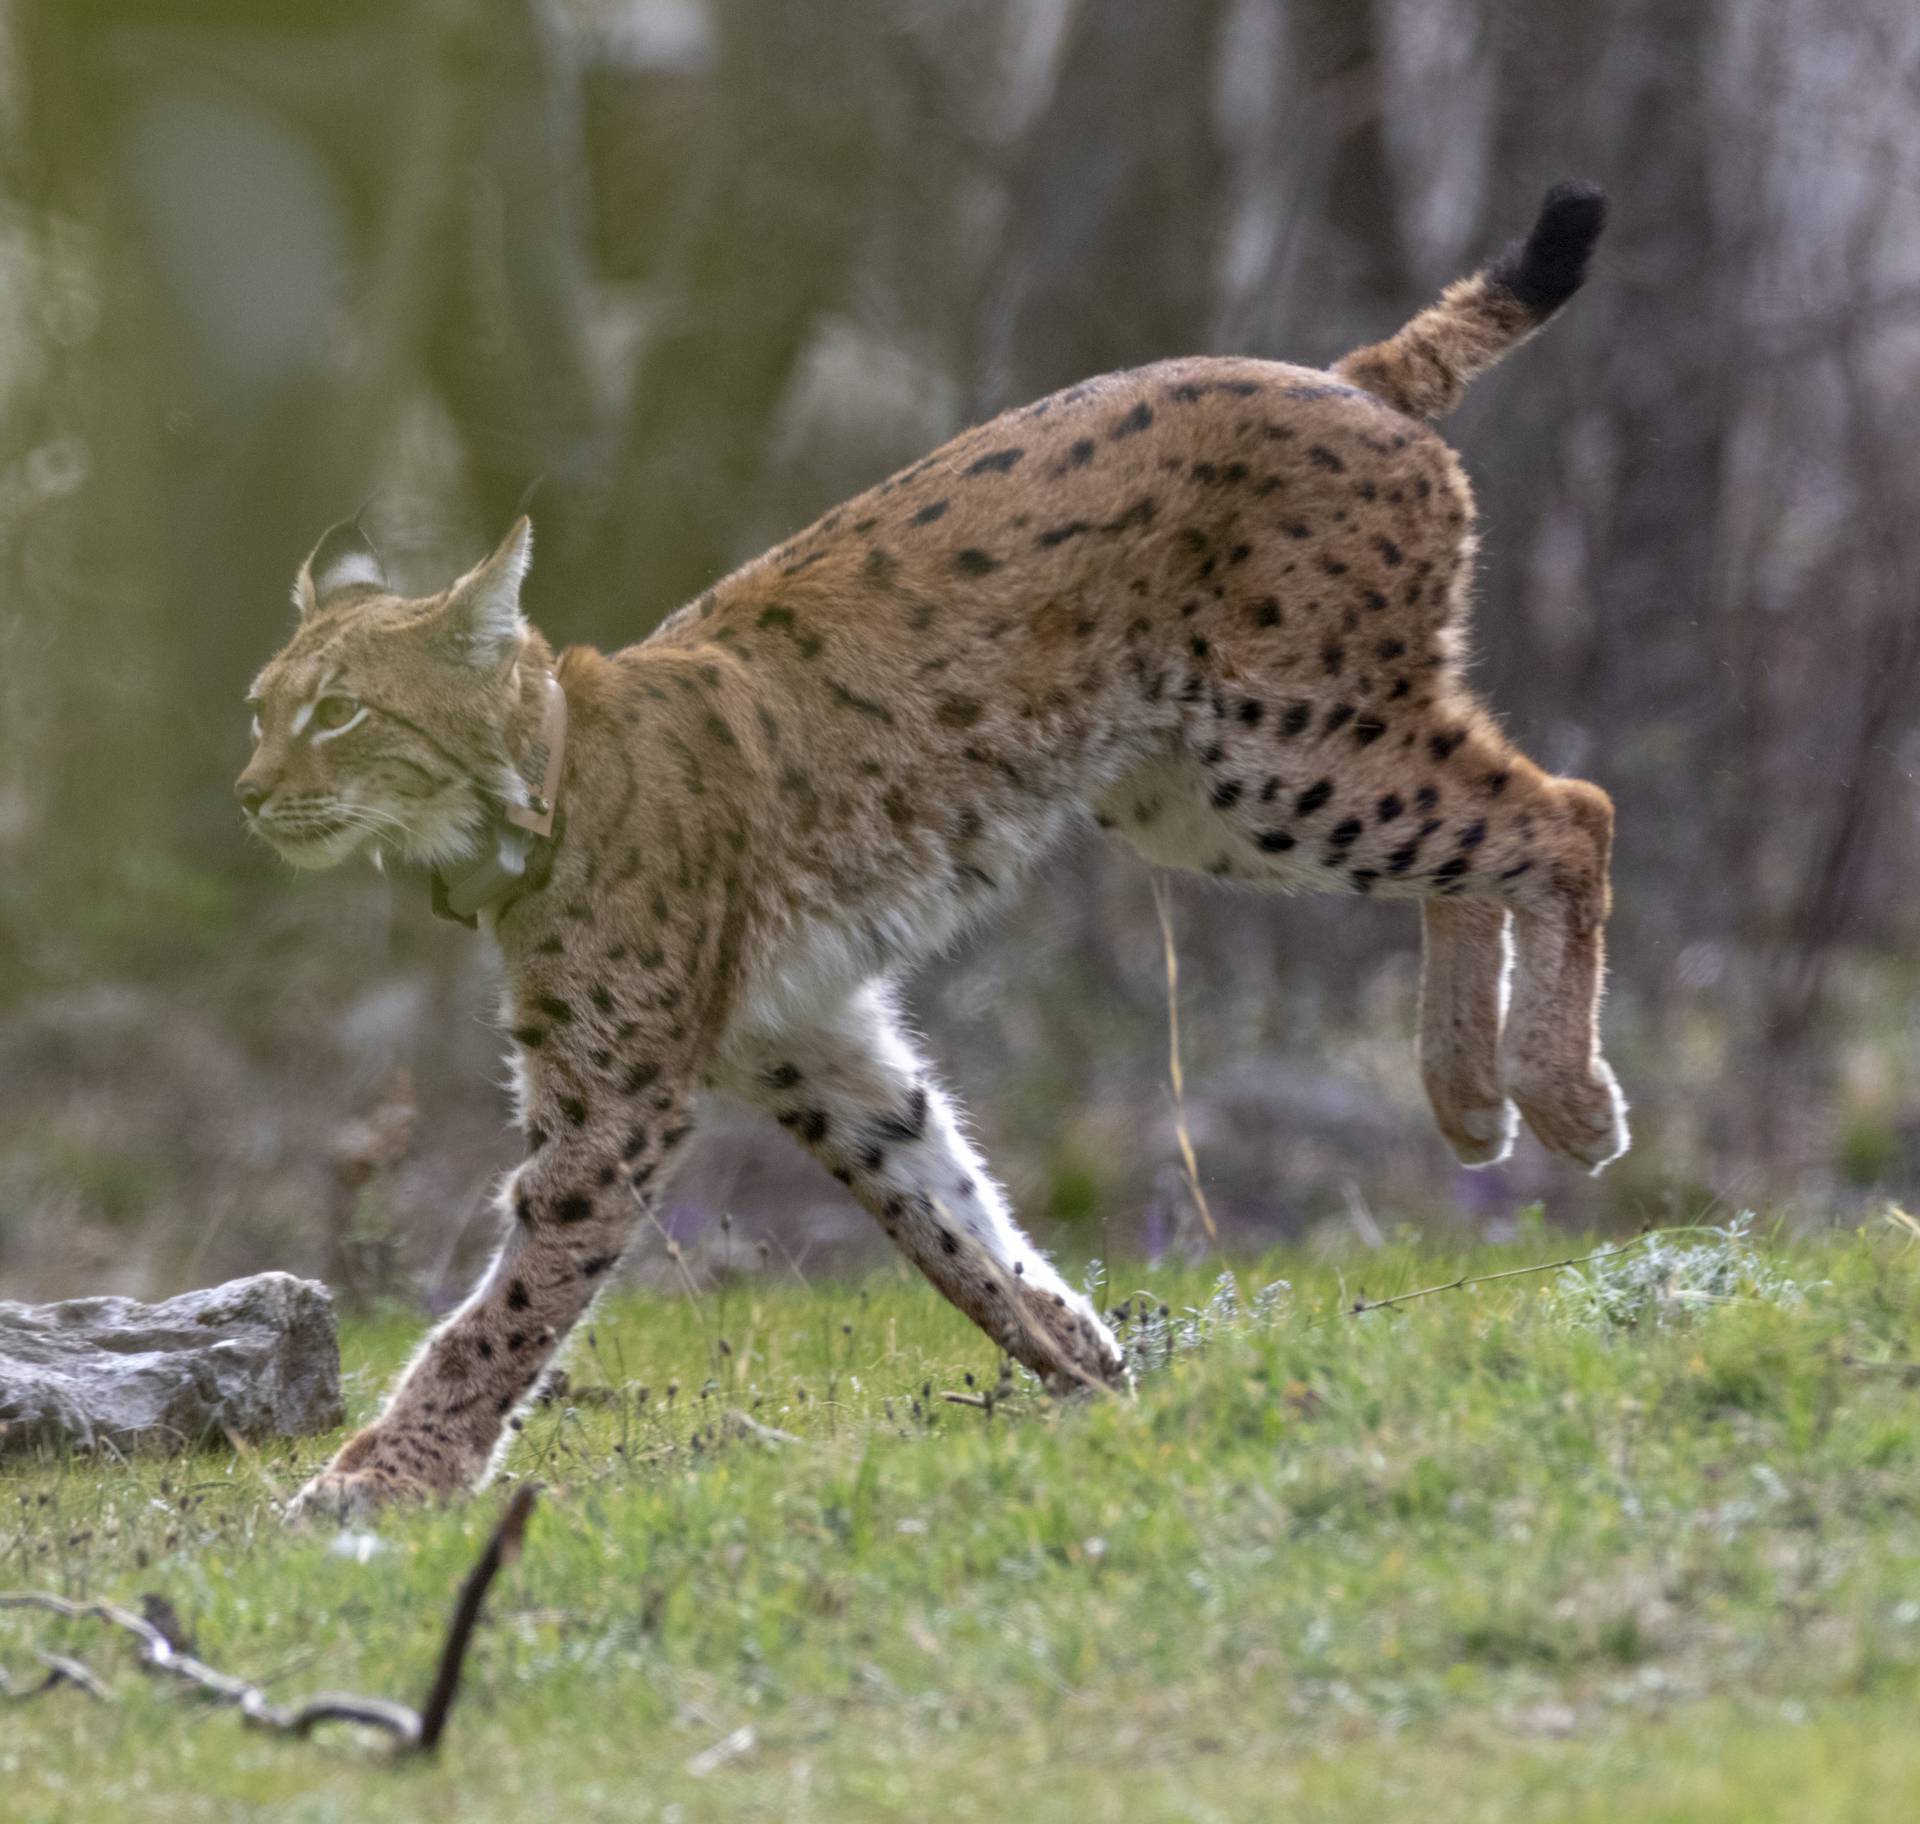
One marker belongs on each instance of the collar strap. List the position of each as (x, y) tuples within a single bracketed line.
[(464, 895)]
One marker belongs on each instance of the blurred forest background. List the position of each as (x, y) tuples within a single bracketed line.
[(707, 268)]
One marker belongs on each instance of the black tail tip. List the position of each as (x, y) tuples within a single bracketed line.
[(1547, 268)]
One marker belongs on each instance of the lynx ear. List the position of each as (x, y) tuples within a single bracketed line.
[(483, 608), (343, 559)]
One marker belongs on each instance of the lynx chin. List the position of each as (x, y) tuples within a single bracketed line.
[(1213, 606)]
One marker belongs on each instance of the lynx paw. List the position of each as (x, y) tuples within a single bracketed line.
[(1581, 1118), (361, 1479), (1480, 1133), (353, 1494)]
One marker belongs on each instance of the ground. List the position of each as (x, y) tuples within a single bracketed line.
[(1513, 1551)]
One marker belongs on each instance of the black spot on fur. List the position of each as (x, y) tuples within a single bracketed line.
[(974, 562), (1225, 793), (1337, 718), (554, 1008), (517, 1299), (574, 1109), (959, 712), (1134, 422), (1389, 807), (1275, 842), (573, 1209), (641, 1076), (996, 464), (1323, 458), (1368, 730), (1080, 454), (865, 706), (1441, 746), (532, 1037), (910, 1124), (1314, 797), (1295, 721), (929, 513)]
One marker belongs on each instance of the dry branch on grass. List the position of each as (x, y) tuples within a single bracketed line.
[(1176, 1076), (413, 1730)]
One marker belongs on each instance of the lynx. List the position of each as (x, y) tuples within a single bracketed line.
[(1215, 606)]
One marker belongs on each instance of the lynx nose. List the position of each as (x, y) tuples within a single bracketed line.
[(251, 793)]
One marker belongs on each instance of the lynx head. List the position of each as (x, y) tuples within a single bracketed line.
[(384, 722)]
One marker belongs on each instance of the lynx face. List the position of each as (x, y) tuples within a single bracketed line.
[(377, 724)]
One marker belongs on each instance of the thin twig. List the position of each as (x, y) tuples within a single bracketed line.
[(750, 1427), (1162, 904), (410, 1728), (63, 1671), (501, 1550), (157, 1654), (1361, 1306)]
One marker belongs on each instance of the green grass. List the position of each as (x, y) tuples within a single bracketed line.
[(1466, 1559)]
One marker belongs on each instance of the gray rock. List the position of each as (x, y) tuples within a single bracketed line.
[(257, 1356)]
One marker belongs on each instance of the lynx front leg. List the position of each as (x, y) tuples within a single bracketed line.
[(1463, 979), (855, 1092), (569, 1213)]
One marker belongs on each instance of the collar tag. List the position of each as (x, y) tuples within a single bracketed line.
[(546, 758)]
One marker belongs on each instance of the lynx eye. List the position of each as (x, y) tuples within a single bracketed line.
[(334, 712)]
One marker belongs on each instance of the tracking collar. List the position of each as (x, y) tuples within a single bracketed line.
[(480, 883)]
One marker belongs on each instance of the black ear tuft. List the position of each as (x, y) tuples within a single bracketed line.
[(1547, 268), (344, 559)]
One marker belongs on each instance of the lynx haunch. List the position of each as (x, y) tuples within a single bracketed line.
[(1214, 606)]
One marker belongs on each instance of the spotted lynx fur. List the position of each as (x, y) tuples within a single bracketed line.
[(1215, 606)]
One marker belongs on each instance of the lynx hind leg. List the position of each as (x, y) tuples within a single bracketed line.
[(1428, 803), (1550, 1053), (853, 1090), (1465, 957)]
